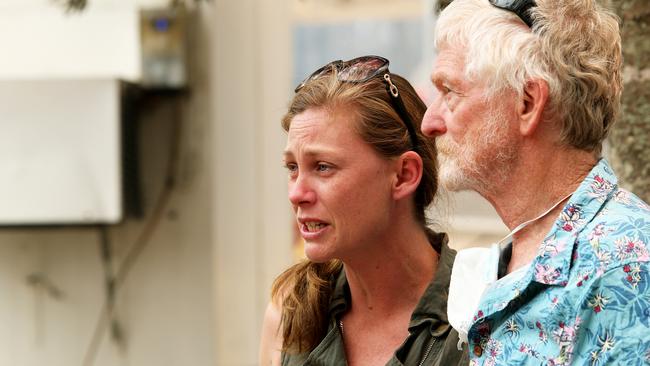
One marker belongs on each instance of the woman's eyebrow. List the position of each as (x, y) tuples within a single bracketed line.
[(311, 151)]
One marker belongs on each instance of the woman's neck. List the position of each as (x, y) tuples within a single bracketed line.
[(393, 277), (386, 286)]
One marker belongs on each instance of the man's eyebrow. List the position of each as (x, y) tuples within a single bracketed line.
[(440, 77), (435, 77)]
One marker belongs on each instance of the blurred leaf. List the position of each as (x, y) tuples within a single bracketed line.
[(80, 5), (73, 5)]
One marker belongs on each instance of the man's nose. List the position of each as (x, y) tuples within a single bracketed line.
[(433, 122)]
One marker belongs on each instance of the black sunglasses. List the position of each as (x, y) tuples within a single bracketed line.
[(362, 69), (519, 7)]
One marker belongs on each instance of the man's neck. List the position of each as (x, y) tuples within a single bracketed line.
[(538, 182)]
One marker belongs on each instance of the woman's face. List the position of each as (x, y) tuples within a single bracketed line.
[(339, 187)]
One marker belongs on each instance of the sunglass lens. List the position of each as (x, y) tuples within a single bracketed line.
[(361, 69), (318, 73)]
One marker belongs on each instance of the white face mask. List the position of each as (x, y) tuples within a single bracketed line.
[(476, 269)]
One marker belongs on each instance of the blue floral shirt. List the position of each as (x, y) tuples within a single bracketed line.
[(585, 299)]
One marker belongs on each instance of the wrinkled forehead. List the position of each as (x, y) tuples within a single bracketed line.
[(322, 123), (449, 64), (321, 134)]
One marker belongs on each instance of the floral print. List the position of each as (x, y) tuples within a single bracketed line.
[(570, 217), (585, 299)]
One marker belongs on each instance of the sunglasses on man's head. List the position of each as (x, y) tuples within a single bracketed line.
[(362, 69), (519, 7)]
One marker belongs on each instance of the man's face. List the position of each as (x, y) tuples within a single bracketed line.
[(474, 136)]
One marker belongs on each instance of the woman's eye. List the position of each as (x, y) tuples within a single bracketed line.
[(291, 167), (321, 167)]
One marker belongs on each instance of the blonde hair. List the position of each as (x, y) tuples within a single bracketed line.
[(574, 45), (305, 288)]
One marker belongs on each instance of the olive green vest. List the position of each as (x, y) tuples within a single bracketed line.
[(431, 340)]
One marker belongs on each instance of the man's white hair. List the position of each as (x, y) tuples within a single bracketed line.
[(574, 45)]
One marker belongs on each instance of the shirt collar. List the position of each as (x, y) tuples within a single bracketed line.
[(553, 261)]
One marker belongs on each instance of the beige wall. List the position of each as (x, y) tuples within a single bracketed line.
[(197, 292), (252, 232)]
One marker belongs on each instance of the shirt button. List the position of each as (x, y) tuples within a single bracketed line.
[(478, 351)]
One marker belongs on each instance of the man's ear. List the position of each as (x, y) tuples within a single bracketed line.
[(408, 168), (531, 106)]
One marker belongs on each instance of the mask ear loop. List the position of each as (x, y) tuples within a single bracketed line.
[(526, 223)]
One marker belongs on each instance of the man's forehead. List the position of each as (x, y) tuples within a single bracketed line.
[(448, 65)]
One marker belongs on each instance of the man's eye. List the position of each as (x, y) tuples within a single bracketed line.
[(449, 90)]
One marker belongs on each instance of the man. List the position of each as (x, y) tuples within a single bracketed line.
[(527, 94)]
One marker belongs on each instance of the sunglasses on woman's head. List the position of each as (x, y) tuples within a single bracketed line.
[(362, 69), (519, 7)]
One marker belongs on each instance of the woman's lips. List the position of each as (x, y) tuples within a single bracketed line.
[(311, 229)]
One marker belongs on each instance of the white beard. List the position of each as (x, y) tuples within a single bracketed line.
[(481, 161)]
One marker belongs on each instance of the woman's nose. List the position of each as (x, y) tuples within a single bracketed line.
[(433, 123), (300, 191)]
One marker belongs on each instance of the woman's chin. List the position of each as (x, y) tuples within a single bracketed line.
[(317, 253)]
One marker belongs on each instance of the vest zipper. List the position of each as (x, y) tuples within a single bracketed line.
[(426, 354)]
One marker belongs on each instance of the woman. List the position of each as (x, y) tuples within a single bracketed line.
[(374, 288)]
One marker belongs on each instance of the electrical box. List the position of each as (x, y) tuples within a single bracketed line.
[(60, 152), (164, 41)]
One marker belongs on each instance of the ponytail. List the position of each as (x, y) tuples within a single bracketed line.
[(304, 290)]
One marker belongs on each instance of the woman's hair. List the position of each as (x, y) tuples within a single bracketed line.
[(575, 46), (305, 288)]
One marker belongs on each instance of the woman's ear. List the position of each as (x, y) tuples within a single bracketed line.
[(531, 106), (408, 174)]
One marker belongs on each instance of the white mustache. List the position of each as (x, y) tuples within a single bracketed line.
[(445, 147)]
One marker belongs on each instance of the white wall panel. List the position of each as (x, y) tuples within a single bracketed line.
[(60, 152)]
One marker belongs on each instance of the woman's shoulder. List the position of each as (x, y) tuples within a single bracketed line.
[(271, 341)]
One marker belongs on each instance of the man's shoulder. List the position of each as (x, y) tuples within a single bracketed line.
[(600, 191), (624, 202), (617, 235), (622, 214)]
